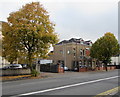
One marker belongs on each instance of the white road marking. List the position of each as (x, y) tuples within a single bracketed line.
[(63, 87)]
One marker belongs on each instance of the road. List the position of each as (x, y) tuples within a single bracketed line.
[(70, 83)]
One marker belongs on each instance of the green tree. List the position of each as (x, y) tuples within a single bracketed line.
[(104, 48), (32, 30)]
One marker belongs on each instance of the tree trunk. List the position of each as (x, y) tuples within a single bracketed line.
[(37, 67), (30, 62), (106, 66), (11, 62)]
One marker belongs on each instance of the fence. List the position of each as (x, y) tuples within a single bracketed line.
[(51, 68), (117, 66)]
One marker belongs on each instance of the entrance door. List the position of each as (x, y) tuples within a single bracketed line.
[(75, 66)]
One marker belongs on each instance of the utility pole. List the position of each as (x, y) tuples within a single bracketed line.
[(76, 54)]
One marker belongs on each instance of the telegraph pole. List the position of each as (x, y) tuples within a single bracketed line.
[(76, 55)]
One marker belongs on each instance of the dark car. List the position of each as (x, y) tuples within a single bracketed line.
[(24, 65)]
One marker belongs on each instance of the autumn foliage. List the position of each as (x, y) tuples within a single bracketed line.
[(29, 32)]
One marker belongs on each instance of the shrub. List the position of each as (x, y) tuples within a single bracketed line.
[(34, 73)]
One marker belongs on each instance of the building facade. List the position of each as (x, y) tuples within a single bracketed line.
[(73, 53)]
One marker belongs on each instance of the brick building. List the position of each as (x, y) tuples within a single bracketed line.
[(73, 53)]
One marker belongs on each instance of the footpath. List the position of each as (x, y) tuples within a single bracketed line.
[(23, 77), (43, 75)]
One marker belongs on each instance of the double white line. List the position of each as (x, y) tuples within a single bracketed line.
[(63, 87)]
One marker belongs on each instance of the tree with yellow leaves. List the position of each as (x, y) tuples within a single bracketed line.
[(30, 31)]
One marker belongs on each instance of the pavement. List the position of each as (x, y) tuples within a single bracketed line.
[(42, 75), (23, 77), (69, 83), (11, 78)]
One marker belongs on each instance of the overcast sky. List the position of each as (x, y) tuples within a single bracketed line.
[(87, 19)]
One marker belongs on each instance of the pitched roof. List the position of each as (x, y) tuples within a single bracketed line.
[(75, 40)]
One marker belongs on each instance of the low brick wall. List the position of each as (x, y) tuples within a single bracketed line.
[(108, 68), (113, 67), (104, 68), (97, 68), (15, 72), (60, 70), (82, 69)]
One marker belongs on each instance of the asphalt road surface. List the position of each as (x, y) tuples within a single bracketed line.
[(70, 83)]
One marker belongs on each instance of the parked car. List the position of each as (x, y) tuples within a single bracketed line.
[(5, 67), (75, 69), (65, 68), (15, 66)]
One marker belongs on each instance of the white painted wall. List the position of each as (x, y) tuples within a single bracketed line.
[(3, 62)]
